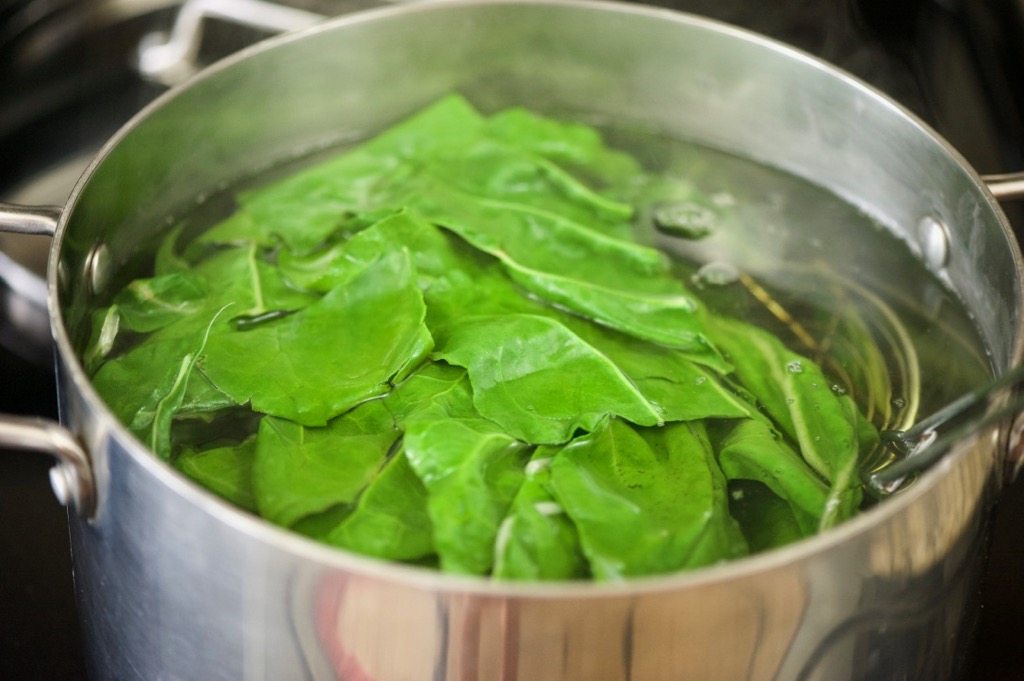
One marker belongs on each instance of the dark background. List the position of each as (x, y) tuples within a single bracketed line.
[(958, 65)]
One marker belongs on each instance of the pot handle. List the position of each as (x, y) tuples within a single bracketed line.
[(170, 58), (1007, 186), (71, 478), (38, 220), (24, 325)]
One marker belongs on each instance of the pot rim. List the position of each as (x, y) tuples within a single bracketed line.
[(339, 559)]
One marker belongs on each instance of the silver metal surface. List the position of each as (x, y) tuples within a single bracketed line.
[(171, 58), (175, 584), (1007, 186), (24, 318), (72, 476), (37, 220)]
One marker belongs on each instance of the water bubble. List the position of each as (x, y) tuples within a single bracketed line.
[(795, 367), (701, 380), (899, 402), (838, 389), (716, 273), (687, 220), (737, 495)]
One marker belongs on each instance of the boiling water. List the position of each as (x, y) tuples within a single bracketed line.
[(820, 274), (829, 280)]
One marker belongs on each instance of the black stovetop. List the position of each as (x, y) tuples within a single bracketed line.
[(957, 64)]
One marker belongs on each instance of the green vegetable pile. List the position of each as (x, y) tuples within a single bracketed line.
[(449, 346)]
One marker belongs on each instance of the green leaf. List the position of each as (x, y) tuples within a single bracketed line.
[(645, 501), (105, 324), (749, 449), (390, 520), (668, 378), (537, 540), (768, 522), (538, 380), (668, 319), (434, 253), (225, 471), (301, 367), (799, 398), (151, 421), (302, 471), (436, 390), (147, 305), (576, 147), (472, 470)]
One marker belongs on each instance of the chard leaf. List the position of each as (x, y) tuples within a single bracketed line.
[(151, 422), (390, 520), (471, 470), (434, 253), (242, 278), (167, 259), (225, 471), (576, 147), (749, 449), (799, 398), (537, 540), (299, 367), (542, 240), (645, 501), (437, 389), (147, 305), (518, 366), (498, 170), (105, 326), (671, 379), (767, 521), (670, 319), (302, 471)]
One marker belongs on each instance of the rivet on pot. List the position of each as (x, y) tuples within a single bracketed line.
[(97, 268), (63, 484), (933, 236)]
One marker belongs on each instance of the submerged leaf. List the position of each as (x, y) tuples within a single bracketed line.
[(537, 540), (539, 381), (302, 471), (471, 470), (300, 367), (391, 519), (225, 471), (645, 501)]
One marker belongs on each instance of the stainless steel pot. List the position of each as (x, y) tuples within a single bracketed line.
[(175, 584)]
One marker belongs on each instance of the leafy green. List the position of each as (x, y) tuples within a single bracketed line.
[(799, 398), (537, 540), (391, 519), (518, 366), (225, 471), (472, 469), (452, 345), (300, 471), (646, 501), (298, 367)]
